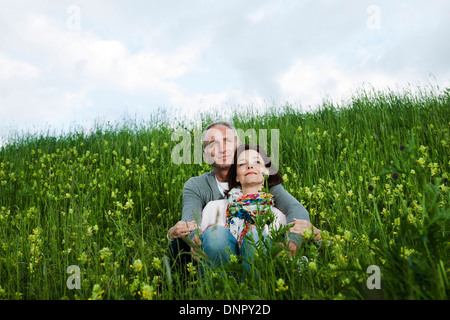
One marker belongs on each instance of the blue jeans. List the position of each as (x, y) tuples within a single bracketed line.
[(218, 244)]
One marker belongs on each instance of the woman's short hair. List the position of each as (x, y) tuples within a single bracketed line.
[(274, 179)]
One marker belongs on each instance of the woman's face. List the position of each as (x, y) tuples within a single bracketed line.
[(250, 168)]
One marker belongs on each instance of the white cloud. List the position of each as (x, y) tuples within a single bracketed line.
[(273, 8), (42, 105), (223, 105), (75, 65), (309, 81), (11, 69), (307, 76), (85, 55)]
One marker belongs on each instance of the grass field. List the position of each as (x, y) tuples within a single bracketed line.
[(372, 174)]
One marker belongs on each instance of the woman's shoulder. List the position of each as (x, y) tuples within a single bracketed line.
[(280, 216), (214, 213), (216, 204)]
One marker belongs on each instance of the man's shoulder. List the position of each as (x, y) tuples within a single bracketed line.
[(277, 188), (198, 180)]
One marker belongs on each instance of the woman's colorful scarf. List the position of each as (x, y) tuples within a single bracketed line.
[(242, 210)]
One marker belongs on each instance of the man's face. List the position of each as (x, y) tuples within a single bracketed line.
[(220, 145)]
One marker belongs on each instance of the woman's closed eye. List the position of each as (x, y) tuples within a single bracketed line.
[(253, 162)]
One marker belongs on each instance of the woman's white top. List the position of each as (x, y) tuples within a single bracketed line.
[(215, 213)]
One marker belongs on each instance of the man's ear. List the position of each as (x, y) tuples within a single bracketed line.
[(208, 158)]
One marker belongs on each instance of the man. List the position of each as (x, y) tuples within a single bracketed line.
[(220, 141)]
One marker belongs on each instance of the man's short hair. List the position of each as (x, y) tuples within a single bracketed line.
[(219, 123)]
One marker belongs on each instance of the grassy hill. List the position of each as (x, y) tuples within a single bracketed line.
[(372, 174)]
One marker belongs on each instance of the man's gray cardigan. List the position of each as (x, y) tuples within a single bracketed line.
[(200, 190)]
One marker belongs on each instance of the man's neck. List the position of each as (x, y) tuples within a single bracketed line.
[(221, 174)]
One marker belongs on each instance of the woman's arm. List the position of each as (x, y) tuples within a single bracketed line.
[(214, 213)]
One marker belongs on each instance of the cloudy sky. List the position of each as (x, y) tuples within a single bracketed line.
[(69, 63)]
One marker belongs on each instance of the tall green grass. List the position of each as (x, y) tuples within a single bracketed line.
[(373, 175)]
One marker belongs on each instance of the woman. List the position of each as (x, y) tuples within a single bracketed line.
[(246, 179), (229, 226)]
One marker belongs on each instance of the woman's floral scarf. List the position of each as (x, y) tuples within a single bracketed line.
[(242, 210)]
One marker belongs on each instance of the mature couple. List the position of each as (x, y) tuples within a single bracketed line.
[(220, 207)]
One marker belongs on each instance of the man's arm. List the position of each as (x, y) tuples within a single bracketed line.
[(192, 205), (287, 204), (291, 207)]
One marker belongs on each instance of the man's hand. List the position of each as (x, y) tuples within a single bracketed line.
[(291, 246), (181, 229), (198, 243), (300, 226)]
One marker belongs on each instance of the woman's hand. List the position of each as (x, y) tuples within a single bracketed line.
[(300, 226), (181, 229)]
